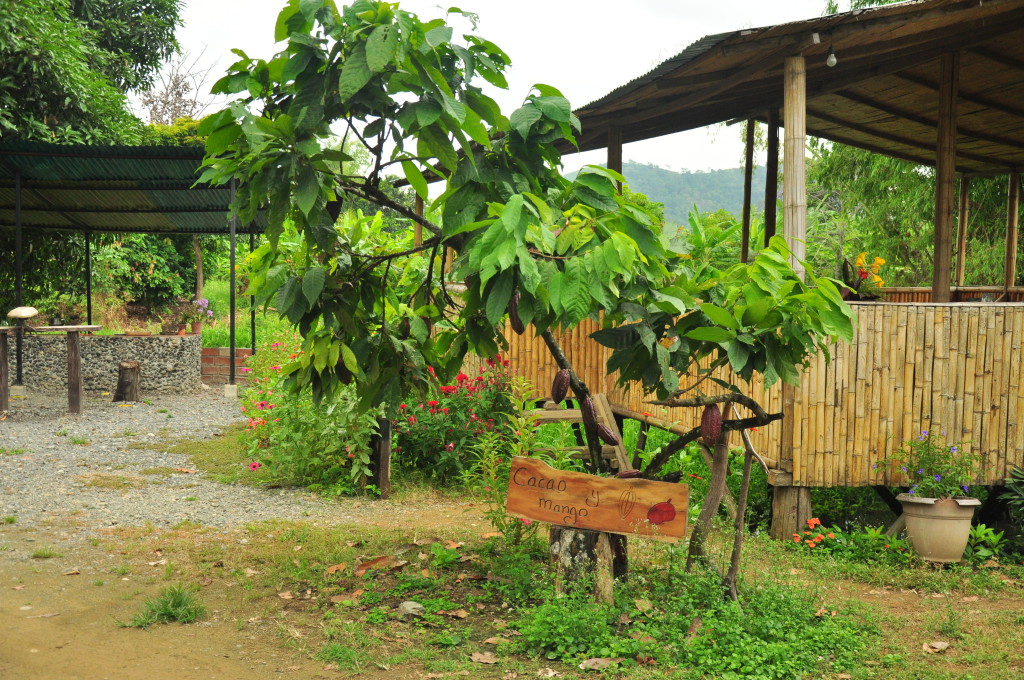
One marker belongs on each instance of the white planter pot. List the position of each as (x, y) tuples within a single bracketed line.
[(938, 528)]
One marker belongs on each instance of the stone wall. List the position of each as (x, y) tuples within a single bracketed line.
[(170, 363)]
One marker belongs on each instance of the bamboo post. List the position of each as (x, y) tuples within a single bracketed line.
[(1012, 210), (771, 180), (963, 214), (615, 151), (748, 180), (945, 165), (794, 188)]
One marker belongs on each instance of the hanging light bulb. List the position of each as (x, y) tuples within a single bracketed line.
[(831, 60)]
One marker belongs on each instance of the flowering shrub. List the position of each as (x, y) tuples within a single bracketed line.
[(322, 446), (869, 545), (197, 310), (935, 468), (437, 435), (862, 278)]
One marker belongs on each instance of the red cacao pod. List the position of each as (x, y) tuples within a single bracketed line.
[(628, 474), (711, 425), (513, 314), (589, 411), (661, 512), (606, 435), (560, 385)]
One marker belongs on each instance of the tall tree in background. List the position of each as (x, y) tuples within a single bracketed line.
[(65, 66)]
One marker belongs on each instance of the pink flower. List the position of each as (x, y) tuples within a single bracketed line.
[(254, 466), (275, 344), (246, 369), (450, 446), (525, 521), (275, 368)]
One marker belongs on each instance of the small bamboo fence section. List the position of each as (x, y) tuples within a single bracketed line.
[(952, 367)]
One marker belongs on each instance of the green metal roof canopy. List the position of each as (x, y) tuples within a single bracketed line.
[(120, 189)]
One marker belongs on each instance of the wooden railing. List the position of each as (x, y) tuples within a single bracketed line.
[(962, 294)]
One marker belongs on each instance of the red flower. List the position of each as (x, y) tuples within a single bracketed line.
[(462, 377), (433, 402), (862, 273), (403, 406)]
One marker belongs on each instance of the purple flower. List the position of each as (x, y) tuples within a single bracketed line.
[(874, 466), (912, 491), (924, 433), (938, 478), (964, 487), (952, 449), (903, 467), (920, 471)]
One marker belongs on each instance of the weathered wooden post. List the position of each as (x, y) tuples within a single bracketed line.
[(129, 374)]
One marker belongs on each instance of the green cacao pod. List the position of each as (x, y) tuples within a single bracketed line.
[(513, 314), (606, 435), (560, 385), (711, 425)]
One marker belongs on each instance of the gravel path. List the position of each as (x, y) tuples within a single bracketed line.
[(47, 472)]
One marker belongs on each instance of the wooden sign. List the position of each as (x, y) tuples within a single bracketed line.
[(620, 506)]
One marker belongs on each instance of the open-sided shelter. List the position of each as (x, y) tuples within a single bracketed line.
[(936, 82), (91, 189)]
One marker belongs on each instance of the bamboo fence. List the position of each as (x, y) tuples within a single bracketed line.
[(945, 367)]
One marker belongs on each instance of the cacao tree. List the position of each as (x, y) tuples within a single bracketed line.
[(508, 233)]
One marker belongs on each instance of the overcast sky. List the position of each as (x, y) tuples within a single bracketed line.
[(584, 48)]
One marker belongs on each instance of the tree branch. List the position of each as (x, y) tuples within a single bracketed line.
[(580, 389)]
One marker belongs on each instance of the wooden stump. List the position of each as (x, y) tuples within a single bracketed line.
[(580, 554), (791, 508), (128, 375)]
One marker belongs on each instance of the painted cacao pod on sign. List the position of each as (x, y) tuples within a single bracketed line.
[(560, 386), (661, 512), (513, 314), (711, 425), (606, 435)]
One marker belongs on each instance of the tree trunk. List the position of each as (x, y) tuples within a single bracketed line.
[(716, 489), (380, 442), (581, 554), (128, 375)]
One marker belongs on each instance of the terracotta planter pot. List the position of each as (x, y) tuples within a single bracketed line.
[(197, 327), (938, 529)]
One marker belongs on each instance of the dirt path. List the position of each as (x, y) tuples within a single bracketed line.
[(60, 615)]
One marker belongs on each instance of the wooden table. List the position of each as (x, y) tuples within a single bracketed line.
[(74, 362)]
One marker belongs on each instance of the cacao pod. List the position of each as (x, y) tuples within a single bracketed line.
[(344, 375), (560, 385), (513, 314), (661, 513), (606, 435), (589, 411), (711, 425), (627, 499), (628, 474)]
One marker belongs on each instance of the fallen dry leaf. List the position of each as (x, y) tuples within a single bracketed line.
[(824, 612), (548, 673), (972, 598), (483, 657), (17, 587), (453, 545), (495, 640), (353, 544), (643, 605), (936, 647), (937, 595), (598, 664), (645, 660), (250, 572), (469, 558), (186, 471), (456, 614), (205, 581), (157, 563), (379, 563), (286, 595), (43, 616), (492, 534), (335, 568), (72, 572)]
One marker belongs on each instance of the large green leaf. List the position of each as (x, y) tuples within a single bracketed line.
[(720, 316), (381, 47), (498, 295), (711, 334), (354, 74), (313, 284)]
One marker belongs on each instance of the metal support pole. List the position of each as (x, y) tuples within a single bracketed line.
[(18, 255), (233, 225), (88, 278), (252, 298)]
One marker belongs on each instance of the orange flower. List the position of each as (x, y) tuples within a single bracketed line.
[(796, 538), (831, 535), (810, 543)]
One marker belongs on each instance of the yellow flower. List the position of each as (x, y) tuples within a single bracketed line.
[(859, 264), (877, 280), (877, 264)]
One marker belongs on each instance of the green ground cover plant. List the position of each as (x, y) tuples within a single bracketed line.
[(174, 603)]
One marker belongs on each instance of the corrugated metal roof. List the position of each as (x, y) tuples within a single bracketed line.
[(112, 189)]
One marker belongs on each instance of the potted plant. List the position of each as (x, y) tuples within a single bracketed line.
[(196, 312), (937, 508)]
